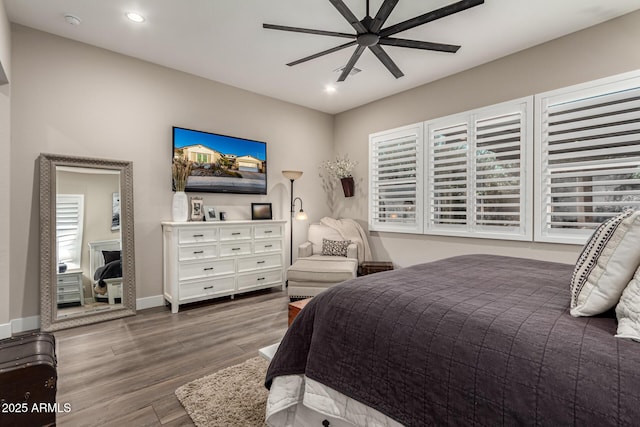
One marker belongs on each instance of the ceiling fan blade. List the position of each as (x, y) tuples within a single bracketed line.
[(382, 15), (430, 16), (319, 54), (416, 44), (352, 61), (349, 16), (387, 61), (308, 31)]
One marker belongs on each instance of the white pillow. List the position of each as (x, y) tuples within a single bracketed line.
[(606, 265), (628, 310)]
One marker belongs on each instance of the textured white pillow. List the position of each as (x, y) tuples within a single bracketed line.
[(628, 310), (606, 265)]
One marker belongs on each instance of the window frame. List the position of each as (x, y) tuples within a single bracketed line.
[(523, 232), (600, 87)]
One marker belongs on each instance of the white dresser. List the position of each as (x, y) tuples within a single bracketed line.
[(204, 260), (69, 288)]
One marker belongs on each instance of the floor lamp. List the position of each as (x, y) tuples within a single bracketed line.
[(301, 215)]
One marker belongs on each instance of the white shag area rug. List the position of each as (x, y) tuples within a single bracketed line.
[(234, 396)]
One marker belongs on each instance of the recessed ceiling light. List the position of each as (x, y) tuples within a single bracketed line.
[(330, 88), (135, 17)]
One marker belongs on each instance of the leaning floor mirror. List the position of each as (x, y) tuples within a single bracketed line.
[(87, 272)]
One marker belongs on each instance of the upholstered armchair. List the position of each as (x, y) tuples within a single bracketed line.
[(314, 271)]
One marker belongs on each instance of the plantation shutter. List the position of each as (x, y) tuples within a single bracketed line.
[(395, 180), (69, 228), (501, 182), (448, 167), (478, 181), (589, 158)]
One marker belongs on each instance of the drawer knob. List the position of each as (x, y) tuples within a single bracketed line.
[(208, 268), (268, 246), (208, 287), (198, 252), (268, 231), (235, 249), (235, 234), (260, 278), (260, 262), (198, 235)]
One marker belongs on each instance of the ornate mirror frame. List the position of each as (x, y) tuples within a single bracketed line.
[(48, 274)]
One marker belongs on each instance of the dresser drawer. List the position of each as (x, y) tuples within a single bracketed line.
[(68, 289), (267, 231), (259, 279), (235, 233), (69, 279), (197, 235), (202, 288), (197, 270), (73, 297), (237, 248), (267, 246), (259, 263), (186, 253)]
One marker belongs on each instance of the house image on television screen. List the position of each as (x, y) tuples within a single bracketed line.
[(222, 164)]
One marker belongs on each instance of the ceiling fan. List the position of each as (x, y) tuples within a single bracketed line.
[(369, 33)]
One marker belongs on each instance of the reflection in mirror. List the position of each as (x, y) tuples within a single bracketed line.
[(87, 241)]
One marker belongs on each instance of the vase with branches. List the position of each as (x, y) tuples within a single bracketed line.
[(180, 171)]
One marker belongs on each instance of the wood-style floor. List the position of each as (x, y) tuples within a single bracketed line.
[(124, 372)]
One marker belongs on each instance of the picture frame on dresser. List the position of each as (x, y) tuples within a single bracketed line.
[(196, 209), (210, 214), (261, 211)]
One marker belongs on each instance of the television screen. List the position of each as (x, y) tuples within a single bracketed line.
[(222, 164)]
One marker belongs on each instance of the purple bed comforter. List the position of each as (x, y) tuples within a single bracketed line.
[(469, 340)]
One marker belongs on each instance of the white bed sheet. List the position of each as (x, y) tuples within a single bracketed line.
[(298, 401)]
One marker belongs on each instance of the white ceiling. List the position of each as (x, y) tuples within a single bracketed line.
[(223, 40)]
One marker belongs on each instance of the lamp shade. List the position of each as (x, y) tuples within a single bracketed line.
[(293, 175), (302, 216)]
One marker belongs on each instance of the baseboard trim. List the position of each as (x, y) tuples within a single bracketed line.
[(5, 330), (149, 302), (25, 324), (16, 326)]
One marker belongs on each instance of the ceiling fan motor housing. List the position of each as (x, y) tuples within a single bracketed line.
[(367, 39)]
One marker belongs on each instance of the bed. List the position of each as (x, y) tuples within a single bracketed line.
[(105, 264), (469, 340)]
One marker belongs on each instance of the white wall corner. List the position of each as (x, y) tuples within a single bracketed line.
[(149, 302)]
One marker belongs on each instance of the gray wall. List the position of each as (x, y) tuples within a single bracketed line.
[(5, 174), (600, 51), (73, 99)]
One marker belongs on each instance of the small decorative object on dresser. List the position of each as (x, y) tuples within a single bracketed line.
[(370, 267), (180, 171), (261, 211), (210, 260), (196, 209), (210, 213)]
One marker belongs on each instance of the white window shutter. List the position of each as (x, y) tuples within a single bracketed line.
[(589, 158), (395, 180), (448, 166), (479, 168), (69, 228)]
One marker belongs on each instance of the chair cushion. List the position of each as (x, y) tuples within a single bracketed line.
[(317, 232), (327, 269), (335, 247)]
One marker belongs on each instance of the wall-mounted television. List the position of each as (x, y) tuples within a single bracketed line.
[(222, 164)]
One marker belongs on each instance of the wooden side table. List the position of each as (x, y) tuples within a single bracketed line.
[(370, 267), (295, 307)]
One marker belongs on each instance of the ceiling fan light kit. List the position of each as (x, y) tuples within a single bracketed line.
[(370, 34)]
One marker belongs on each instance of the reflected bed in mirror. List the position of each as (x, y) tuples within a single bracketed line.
[(87, 241)]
